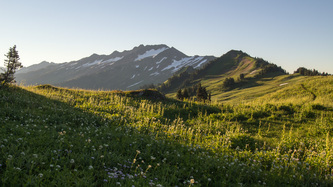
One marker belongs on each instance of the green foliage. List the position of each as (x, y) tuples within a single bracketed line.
[(241, 76), (186, 95), (228, 83), (54, 136), (11, 65), (307, 72), (179, 94), (202, 94)]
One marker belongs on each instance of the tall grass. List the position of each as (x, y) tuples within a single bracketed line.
[(55, 136)]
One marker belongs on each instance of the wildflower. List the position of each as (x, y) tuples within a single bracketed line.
[(192, 181), (137, 151), (40, 175), (90, 167), (51, 165), (72, 161)]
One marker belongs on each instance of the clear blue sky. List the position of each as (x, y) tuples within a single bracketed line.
[(288, 33)]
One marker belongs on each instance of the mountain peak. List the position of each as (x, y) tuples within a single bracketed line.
[(130, 69), (233, 53)]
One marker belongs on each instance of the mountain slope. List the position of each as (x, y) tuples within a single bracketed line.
[(230, 65), (127, 70)]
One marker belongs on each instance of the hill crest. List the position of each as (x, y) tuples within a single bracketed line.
[(233, 64)]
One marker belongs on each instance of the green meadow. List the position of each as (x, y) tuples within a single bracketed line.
[(275, 134)]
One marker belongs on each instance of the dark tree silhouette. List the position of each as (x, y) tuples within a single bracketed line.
[(201, 93), (179, 94), (308, 72), (11, 65), (242, 76), (228, 83), (186, 94)]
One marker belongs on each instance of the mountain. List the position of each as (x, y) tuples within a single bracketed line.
[(127, 70), (245, 70), (36, 67)]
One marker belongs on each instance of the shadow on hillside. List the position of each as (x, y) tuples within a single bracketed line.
[(35, 101)]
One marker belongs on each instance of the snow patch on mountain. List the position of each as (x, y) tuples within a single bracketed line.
[(134, 84), (151, 53), (187, 61), (161, 60), (92, 63), (197, 66), (98, 62), (113, 59), (154, 74)]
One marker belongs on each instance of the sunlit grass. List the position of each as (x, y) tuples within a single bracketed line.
[(55, 136)]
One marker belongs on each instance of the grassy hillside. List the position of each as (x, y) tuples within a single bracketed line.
[(52, 136), (233, 64)]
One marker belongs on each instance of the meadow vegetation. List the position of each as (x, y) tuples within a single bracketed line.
[(52, 136)]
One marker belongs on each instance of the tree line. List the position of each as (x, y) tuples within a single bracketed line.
[(308, 72), (196, 90)]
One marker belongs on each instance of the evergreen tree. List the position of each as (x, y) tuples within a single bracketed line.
[(228, 83), (186, 94), (11, 64), (201, 93), (179, 94), (241, 76), (307, 72)]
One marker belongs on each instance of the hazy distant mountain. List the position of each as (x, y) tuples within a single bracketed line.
[(36, 67), (127, 70)]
